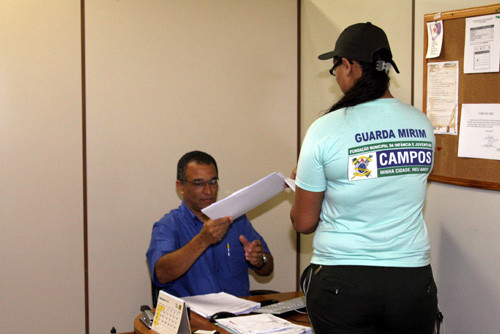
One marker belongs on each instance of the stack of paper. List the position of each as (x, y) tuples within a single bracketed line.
[(249, 197), (207, 305), (261, 324)]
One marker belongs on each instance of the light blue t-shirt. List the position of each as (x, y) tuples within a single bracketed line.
[(372, 161)]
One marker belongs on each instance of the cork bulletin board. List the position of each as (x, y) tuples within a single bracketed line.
[(472, 88)]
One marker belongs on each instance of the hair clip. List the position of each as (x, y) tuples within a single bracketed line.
[(383, 66)]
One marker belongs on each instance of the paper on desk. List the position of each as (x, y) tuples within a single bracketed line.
[(209, 304), (249, 197), (261, 324)]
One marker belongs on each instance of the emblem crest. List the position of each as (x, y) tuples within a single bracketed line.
[(361, 166)]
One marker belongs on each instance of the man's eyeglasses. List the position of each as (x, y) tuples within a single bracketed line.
[(200, 183)]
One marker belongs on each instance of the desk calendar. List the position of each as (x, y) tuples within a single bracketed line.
[(171, 315)]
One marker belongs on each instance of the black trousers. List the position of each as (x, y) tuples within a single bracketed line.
[(370, 300)]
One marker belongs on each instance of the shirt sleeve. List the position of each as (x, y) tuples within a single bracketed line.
[(163, 241), (310, 168)]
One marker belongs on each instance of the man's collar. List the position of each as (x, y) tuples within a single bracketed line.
[(189, 212)]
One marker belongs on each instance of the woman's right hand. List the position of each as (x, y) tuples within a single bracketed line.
[(294, 173)]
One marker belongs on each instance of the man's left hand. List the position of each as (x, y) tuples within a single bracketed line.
[(253, 251)]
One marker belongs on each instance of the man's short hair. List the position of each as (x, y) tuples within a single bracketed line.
[(194, 156)]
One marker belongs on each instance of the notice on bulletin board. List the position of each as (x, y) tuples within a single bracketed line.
[(482, 44), (442, 96), (434, 38), (480, 131)]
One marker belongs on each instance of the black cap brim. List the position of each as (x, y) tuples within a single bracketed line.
[(325, 56)]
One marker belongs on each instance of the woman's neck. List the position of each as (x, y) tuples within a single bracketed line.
[(387, 95)]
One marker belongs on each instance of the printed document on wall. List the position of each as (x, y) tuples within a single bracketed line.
[(482, 44), (480, 131), (442, 96), (434, 39)]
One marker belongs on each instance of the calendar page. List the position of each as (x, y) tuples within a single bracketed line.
[(171, 315)]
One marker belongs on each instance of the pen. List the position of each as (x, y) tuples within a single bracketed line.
[(228, 250)]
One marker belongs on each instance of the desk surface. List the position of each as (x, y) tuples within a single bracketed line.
[(198, 322)]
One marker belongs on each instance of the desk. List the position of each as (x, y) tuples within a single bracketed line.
[(198, 322)]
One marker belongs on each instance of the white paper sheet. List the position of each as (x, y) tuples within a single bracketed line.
[(262, 324), (209, 304), (442, 96), (482, 44), (480, 131), (249, 197), (434, 39)]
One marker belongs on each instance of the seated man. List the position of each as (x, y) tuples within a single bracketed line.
[(190, 254)]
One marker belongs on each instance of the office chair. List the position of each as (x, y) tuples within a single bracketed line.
[(261, 292), (154, 293)]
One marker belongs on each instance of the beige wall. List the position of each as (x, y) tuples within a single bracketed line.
[(41, 219), (167, 77), (463, 222), (163, 78)]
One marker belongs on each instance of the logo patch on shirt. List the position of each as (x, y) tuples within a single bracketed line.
[(388, 159), (363, 166)]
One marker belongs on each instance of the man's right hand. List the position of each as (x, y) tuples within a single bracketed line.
[(173, 265), (214, 230)]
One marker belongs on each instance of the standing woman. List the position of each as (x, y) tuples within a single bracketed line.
[(361, 182)]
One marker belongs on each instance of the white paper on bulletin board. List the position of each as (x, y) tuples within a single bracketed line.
[(482, 44), (442, 96), (480, 131)]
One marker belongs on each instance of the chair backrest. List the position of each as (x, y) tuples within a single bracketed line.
[(154, 293), (262, 292)]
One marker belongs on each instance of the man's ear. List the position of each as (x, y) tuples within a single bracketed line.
[(179, 186)]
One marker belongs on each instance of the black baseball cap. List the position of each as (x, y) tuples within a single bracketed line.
[(360, 42)]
